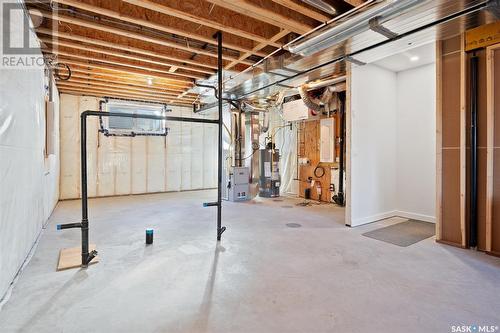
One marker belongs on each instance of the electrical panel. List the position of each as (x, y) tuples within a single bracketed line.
[(238, 186), (327, 140)]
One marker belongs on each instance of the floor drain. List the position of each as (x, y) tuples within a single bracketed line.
[(293, 225), (286, 206)]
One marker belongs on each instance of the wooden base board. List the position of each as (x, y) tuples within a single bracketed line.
[(72, 258)]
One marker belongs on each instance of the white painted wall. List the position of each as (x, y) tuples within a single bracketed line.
[(28, 180), (392, 151), (185, 160), (373, 145), (416, 143)]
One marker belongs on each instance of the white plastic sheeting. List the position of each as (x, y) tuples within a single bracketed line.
[(286, 141), (28, 180), (184, 160)]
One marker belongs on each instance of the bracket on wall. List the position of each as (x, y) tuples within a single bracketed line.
[(354, 61), (376, 26)]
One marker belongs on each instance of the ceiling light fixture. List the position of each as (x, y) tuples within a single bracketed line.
[(150, 80), (414, 58), (352, 27)]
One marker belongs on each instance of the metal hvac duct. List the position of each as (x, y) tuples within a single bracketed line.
[(322, 5), (330, 36)]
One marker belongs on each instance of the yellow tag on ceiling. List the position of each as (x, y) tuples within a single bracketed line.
[(482, 36)]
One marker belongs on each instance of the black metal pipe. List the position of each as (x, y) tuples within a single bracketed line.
[(220, 229), (474, 61), (86, 255), (342, 147), (69, 226)]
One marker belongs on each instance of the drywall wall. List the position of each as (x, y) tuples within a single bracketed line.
[(28, 179), (416, 143), (393, 144), (186, 159), (373, 145)]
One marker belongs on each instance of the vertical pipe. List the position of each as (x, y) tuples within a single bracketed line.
[(340, 198), (219, 160), (83, 159), (473, 152)]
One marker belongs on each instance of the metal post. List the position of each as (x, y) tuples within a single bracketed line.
[(473, 151), (220, 229), (83, 159)]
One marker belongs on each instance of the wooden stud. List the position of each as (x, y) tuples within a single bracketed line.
[(125, 87), (348, 145), (439, 141), (490, 100), (83, 39), (463, 140)]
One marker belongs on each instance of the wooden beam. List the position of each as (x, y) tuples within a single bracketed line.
[(248, 8), (278, 36), (463, 140), (146, 23), (97, 93), (129, 34), (439, 141), (303, 10), (168, 81), (125, 87), (355, 3), (83, 39), (65, 84), (128, 65), (161, 8), (96, 77), (119, 55)]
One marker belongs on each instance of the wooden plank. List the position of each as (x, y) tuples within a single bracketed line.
[(248, 8), (125, 70), (439, 141), (463, 139), (72, 258), (179, 62), (490, 154), (129, 34), (98, 93), (119, 55), (149, 24), (303, 10), (161, 8)]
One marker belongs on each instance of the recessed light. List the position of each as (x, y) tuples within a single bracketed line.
[(414, 58)]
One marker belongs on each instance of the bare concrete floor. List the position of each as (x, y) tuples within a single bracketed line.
[(263, 277)]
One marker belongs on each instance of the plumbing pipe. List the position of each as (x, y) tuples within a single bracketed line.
[(474, 61)]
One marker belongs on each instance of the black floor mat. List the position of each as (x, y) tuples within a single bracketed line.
[(404, 233)]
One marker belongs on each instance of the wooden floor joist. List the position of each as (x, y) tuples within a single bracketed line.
[(170, 61), (130, 34), (148, 24)]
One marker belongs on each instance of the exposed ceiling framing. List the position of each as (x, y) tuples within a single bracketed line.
[(155, 50)]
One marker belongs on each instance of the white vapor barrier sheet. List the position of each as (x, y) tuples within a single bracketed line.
[(186, 159), (286, 141), (28, 179)]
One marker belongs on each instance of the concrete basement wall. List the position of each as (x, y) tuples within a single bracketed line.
[(29, 182), (185, 160), (393, 135)]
